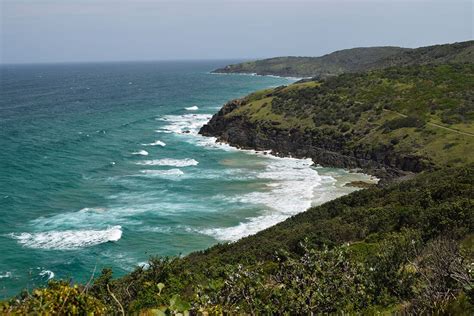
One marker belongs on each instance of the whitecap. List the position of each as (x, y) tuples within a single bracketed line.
[(93, 209), (192, 108), (190, 124), (155, 229), (141, 153), (156, 143), (5, 275), (68, 239), (170, 172), (47, 273), (185, 124), (243, 229), (169, 162), (144, 265)]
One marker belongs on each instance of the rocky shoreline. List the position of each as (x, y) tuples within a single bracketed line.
[(240, 132)]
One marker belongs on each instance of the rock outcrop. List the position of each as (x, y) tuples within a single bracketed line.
[(239, 131)]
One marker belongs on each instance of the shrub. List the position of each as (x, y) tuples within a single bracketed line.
[(444, 274), (402, 122), (59, 297)]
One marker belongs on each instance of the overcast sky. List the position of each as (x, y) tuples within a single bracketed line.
[(106, 30)]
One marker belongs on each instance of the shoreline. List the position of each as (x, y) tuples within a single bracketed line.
[(238, 132), (322, 184), (278, 176), (253, 74), (381, 173)]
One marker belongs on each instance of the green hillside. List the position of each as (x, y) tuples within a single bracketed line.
[(437, 54), (330, 64), (412, 118), (355, 60)]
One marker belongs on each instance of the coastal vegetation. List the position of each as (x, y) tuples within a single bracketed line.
[(409, 119), (355, 60), (404, 246)]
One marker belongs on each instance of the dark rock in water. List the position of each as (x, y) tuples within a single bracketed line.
[(186, 132)]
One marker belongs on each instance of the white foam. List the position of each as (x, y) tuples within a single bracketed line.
[(170, 172), (189, 125), (144, 265), (185, 124), (291, 79), (169, 162), (291, 186), (93, 209), (47, 273), (7, 274), (156, 143), (249, 227), (141, 153), (192, 108), (155, 229), (292, 183), (68, 239), (211, 143)]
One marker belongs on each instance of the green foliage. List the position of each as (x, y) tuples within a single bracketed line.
[(444, 272), (412, 118), (402, 122), (58, 297)]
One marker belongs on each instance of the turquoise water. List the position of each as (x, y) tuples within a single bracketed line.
[(101, 165)]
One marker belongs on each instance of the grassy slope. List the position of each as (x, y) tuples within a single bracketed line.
[(427, 111), (356, 59)]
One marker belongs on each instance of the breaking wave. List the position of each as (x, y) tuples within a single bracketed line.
[(169, 162), (141, 153), (68, 239)]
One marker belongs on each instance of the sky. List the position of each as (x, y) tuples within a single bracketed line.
[(37, 31)]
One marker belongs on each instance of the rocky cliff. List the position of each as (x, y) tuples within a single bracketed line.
[(238, 131), (389, 123)]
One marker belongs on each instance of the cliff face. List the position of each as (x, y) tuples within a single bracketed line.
[(240, 132)]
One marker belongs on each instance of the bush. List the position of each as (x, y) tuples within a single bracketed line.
[(444, 273), (59, 297), (402, 122)]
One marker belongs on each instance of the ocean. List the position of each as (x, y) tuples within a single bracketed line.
[(101, 165)]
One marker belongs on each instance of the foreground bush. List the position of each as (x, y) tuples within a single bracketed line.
[(58, 297)]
